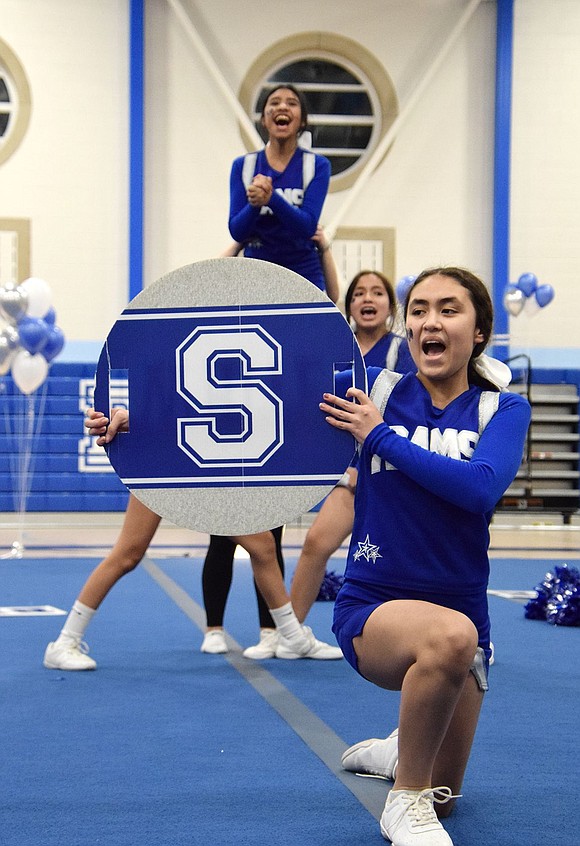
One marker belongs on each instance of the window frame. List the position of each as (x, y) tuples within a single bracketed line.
[(19, 108)]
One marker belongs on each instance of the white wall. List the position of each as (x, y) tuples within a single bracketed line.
[(545, 210), (192, 146), (70, 175)]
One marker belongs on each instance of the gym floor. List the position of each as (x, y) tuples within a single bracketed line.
[(164, 744), (70, 535)]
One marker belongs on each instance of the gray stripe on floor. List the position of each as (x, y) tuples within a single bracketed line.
[(319, 737)]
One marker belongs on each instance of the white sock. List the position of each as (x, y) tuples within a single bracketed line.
[(77, 621), (287, 622)]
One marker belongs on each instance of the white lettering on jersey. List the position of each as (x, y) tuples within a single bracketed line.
[(451, 442), (420, 437), (293, 196)]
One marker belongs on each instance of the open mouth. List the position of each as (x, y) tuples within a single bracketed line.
[(433, 348), (282, 120), (368, 311)]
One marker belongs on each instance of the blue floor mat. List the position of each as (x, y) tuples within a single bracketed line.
[(165, 745)]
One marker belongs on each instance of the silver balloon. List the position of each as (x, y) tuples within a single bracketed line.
[(13, 302), (11, 333), (514, 300)]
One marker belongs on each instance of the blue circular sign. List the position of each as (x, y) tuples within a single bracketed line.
[(226, 362)]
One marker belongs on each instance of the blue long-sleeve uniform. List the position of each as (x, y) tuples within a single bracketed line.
[(427, 486), (378, 355), (281, 232)]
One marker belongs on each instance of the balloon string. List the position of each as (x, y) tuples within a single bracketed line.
[(12, 428), (29, 435), (24, 427)]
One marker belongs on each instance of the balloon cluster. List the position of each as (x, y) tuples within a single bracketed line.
[(30, 338), (557, 598), (527, 294)]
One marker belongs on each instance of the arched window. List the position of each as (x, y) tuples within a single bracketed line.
[(14, 102)]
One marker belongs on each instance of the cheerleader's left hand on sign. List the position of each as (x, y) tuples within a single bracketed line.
[(226, 362)]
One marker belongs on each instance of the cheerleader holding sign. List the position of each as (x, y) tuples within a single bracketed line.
[(439, 447)]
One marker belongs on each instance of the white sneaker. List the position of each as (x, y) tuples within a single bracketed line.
[(409, 818), (312, 648), (375, 757), (266, 648), (68, 654), (214, 643)]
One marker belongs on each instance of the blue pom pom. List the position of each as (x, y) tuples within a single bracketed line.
[(557, 598), (330, 586), (535, 609)]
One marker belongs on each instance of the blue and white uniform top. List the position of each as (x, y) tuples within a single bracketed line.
[(428, 482), (281, 232), (391, 351)]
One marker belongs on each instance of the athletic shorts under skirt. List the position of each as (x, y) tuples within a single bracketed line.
[(355, 603)]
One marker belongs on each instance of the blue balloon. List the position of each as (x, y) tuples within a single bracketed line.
[(33, 334), (544, 295), (54, 343), (528, 282), (50, 316), (403, 287)]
